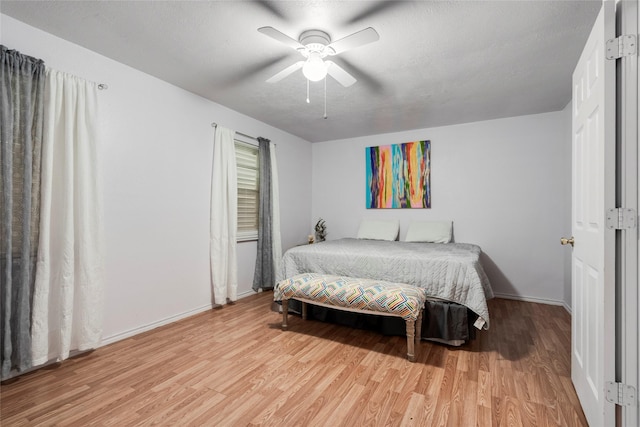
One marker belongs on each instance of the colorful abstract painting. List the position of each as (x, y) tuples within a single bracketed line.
[(399, 176)]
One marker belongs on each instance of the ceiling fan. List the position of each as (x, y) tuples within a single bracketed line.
[(315, 46)]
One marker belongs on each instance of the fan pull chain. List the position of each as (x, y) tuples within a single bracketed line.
[(325, 97), (308, 91)]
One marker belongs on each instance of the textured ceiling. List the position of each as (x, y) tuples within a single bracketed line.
[(436, 63)]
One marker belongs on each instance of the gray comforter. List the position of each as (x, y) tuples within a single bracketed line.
[(451, 271)]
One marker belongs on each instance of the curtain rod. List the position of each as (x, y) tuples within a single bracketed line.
[(214, 124)]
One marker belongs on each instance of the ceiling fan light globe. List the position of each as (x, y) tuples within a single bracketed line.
[(314, 69)]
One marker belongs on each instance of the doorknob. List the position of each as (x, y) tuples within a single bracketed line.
[(565, 241)]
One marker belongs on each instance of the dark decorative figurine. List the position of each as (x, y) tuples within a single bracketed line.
[(321, 230)]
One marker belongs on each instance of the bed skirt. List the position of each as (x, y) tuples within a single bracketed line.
[(442, 321)]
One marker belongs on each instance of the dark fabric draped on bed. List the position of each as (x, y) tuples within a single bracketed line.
[(264, 276), (441, 320), (448, 321), (21, 124)]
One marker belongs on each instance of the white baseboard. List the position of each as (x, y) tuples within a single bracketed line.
[(530, 299), (248, 293), (144, 328)]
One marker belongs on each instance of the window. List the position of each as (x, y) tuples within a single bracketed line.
[(248, 190)]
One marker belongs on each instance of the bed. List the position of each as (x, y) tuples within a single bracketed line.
[(451, 274)]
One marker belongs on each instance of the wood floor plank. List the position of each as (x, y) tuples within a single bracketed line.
[(412, 416), (235, 366)]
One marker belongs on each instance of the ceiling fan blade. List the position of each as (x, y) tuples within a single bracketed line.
[(252, 70), (364, 77), (287, 71), (338, 73), (281, 37), (362, 37)]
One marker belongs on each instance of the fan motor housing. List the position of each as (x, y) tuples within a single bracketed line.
[(314, 40)]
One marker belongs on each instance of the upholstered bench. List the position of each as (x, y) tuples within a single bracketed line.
[(358, 295)]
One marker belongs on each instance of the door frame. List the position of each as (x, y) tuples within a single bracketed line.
[(627, 195)]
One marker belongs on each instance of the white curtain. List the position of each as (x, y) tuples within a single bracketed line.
[(275, 219), (224, 217), (68, 293)]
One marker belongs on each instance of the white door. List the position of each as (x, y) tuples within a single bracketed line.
[(593, 193)]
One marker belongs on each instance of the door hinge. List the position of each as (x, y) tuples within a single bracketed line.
[(621, 218), (620, 394), (621, 46)]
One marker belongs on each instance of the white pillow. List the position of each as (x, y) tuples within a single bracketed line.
[(379, 229), (429, 231)]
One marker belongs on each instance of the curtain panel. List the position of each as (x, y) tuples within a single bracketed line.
[(21, 123), (68, 293), (276, 242), (269, 244), (224, 217)]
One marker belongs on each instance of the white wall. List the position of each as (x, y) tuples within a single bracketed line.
[(502, 182), (156, 158)]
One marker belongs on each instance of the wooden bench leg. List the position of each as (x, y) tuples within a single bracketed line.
[(411, 330), (419, 327), (304, 310), (285, 314)]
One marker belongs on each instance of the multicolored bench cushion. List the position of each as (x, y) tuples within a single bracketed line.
[(398, 299)]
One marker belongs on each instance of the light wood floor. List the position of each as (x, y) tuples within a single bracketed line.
[(235, 367)]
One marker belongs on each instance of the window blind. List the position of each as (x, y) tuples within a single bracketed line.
[(248, 190)]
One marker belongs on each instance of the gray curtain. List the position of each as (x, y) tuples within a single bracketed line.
[(21, 122), (264, 276)]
